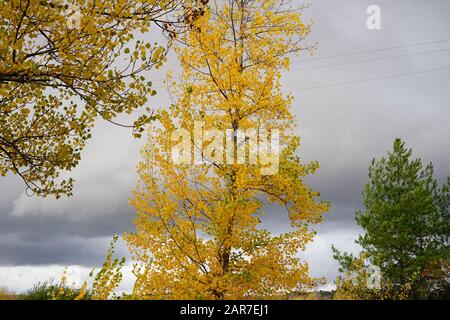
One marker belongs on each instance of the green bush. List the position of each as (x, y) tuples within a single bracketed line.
[(49, 291)]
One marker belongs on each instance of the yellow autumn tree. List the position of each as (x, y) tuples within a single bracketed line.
[(199, 232), (66, 63)]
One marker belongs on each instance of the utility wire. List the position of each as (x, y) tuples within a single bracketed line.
[(400, 75), (338, 84), (373, 50), (358, 53), (370, 60), (360, 61)]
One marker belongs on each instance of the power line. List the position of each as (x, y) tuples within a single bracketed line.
[(373, 50), (337, 84), (358, 53), (370, 60)]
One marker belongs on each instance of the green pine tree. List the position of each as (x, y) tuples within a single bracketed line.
[(407, 225)]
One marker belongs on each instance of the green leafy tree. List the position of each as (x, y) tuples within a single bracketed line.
[(406, 223)]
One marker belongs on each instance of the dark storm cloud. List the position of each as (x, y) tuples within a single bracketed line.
[(50, 249), (57, 239), (343, 127), (75, 230)]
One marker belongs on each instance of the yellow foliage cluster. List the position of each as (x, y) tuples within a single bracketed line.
[(57, 78), (199, 232), (108, 278)]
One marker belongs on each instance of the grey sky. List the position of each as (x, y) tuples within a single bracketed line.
[(341, 126)]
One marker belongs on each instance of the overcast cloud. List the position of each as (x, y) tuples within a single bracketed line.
[(342, 126)]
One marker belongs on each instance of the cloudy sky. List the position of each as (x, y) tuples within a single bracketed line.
[(353, 98)]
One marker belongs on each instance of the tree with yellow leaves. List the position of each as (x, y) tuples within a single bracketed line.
[(66, 63), (198, 226)]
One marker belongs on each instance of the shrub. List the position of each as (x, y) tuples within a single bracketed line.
[(47, 290)]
